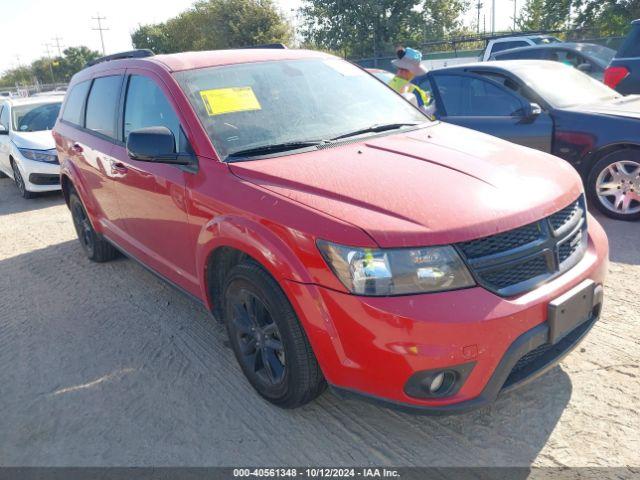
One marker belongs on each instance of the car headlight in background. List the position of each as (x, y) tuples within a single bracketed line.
[(399, 271), (48, 156)]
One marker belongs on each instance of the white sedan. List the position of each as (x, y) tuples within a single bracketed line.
[(27, 149)]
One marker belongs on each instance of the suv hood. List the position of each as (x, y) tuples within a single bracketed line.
[(628, 107), (42, 140), (436, 185)]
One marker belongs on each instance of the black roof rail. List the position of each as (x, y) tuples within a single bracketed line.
[(140, 53), (268, 45)]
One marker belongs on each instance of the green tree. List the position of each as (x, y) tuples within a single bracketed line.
[(216, 24), (608, 17), (45, 70), (370, 27), (443, 18), (544, 15)]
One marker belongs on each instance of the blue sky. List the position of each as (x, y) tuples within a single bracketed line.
[(27, 25)]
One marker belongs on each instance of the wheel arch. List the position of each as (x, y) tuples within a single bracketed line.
[(602, 152), (228, 240)]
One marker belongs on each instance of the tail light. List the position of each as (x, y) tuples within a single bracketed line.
[(614, 75)]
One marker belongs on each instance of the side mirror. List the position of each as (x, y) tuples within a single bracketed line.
[(530, 110), (585, 67), (155, 144), (3, 130)]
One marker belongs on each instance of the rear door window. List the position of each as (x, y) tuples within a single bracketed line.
[(75, 100), (471, 96), (102, 105)]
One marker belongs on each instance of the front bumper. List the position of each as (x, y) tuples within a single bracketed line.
[(39, 176), (370, 347)]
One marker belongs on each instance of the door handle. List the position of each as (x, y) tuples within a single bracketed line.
[(119, 168), (77, 148)]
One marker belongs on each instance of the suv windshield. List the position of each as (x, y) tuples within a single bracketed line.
[(35, 116), (563, 86), (291, 103)]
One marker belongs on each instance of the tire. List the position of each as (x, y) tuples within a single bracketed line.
[(260, 319), (97, 248), (19, 181), (617, 173)]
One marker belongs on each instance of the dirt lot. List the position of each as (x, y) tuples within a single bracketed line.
[(107, 365)]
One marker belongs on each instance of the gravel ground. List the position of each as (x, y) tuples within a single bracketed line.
[(107, 365)]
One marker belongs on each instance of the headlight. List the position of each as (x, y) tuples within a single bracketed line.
[(401, 271), (49, 156)]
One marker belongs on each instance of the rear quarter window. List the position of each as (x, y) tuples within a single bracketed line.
[(73, 107), (102, 105)]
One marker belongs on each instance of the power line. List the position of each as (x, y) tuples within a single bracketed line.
[(58, 46), (53, 78), (101, 29)]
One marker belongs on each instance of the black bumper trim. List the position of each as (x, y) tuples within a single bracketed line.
[(522, 345)]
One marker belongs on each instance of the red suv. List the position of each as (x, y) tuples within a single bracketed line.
[(340, 235)]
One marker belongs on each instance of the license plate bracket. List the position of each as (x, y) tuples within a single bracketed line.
[(570, 310)]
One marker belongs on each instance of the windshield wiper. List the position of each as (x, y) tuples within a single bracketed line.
[(274, 148), (378, 127)]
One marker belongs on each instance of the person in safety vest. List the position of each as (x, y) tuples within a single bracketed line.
[(408, 65)]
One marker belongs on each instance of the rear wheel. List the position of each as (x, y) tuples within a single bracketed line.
[(94, 245), (268, 340), (614, 185), (19, 181)]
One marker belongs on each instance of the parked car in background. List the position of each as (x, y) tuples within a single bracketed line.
[(500, 44), (587, 57), (339, 234), (6, 94), (27, 149), (554, 108), (623, 73)]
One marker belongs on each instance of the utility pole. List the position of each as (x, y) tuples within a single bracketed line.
[(101, 29), (478, 7), (58, 46), (515, 12), (53, 78), (493, 17)]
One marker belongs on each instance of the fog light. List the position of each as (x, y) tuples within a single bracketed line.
[(436, 383)]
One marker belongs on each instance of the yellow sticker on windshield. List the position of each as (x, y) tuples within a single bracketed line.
[(229, 100)]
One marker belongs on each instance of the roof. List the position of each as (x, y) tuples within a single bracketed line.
[(176, 62), (520, 37), (578, 46), (501, 64)]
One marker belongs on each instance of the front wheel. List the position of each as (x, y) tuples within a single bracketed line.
[(19, 181), (268, 340), (614, 185)]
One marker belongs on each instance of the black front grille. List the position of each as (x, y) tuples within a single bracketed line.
[(518, 260), (501, 242), (519, 272)]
